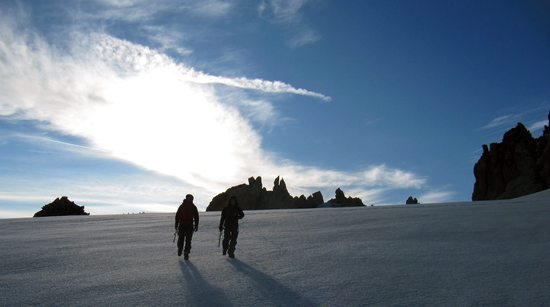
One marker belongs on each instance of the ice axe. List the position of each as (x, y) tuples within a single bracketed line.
[(175, 233)]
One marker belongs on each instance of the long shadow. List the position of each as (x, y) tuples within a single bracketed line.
[(199, 292), (272, 291)]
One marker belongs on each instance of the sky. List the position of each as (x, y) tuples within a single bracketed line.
[(126, 106)]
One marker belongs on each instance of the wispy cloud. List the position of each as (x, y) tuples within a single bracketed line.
[(138, 105), (142, 10), (508, 121), (211, 8), (303, 38), (133, 58), (538, 125), (281, 10), (167, 39), (503, 121), (288, 14), (436, 196)]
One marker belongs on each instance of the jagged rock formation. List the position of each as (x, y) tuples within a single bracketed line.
[(517, 166), (61, 206), (411, 201), (341, 200), (253, 196)]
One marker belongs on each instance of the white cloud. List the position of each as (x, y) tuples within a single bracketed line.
[(260, 111), (303, 38), (167, 39), (137, 10), (288, 13), (508, 121), (138, 105), (55, 145), (211, 8), (504, 120), (281, 10), (537, 125), (435, 197)]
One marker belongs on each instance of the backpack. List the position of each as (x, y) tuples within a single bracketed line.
[(187, 212)]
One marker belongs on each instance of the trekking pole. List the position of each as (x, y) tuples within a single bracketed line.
[(219, 239), (175, 233)]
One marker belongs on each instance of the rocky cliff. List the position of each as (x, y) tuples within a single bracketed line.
[(517, 166), (340, 200), (61, 206), (253, 196)]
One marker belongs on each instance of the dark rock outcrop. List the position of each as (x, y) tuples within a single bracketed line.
[(340, 200), (253, 196), (411, 201), (517, 166), (61, 206)]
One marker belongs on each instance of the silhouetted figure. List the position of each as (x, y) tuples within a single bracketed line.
[(230, 223), (186, 215)]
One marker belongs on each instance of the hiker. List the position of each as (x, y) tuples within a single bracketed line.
[(230, 223), (186, 215)]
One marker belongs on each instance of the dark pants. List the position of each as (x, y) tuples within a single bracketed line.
[(185, 232), (230, 235)]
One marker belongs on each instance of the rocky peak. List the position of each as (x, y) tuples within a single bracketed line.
[(517, 166), (255, 184), (253, 197), (411, 201), (61, 206), (341, 200)]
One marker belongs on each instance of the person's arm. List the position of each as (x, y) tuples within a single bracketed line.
[(196, 217), (222, 219), (178, 214), (241, 214)]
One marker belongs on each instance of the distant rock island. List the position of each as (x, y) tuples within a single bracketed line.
[(253, 196), (61, 206), (517, 166), (340, 200), (411, 201)]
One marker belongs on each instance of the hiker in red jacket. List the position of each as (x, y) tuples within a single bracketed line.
[(186, 215)]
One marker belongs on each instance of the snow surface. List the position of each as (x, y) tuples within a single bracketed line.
[(485, 253)]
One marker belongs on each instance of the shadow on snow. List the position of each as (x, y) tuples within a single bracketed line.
[(271, 290), (199, 292)]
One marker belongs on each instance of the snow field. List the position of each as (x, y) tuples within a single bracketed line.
[(490, 253)]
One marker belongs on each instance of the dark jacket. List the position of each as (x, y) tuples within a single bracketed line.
[(231, 216), (187, 214)]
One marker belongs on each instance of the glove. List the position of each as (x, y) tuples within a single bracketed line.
[(197, 227), (220, 228)]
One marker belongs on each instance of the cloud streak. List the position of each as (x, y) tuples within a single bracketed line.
[(537, 125), (288, 13), (138, 105), (303, 38)]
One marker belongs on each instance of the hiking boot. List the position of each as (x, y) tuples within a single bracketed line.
[(231, 255), (179, 253), (224, 252), (186, 256)]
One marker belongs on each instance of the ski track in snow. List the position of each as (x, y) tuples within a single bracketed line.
[(490, 253)]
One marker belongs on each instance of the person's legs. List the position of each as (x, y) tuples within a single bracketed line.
[(233, 241), (180, 241), (226, 237), (188, 238)]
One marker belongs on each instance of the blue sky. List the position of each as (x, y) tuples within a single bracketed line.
[(126, 106)]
